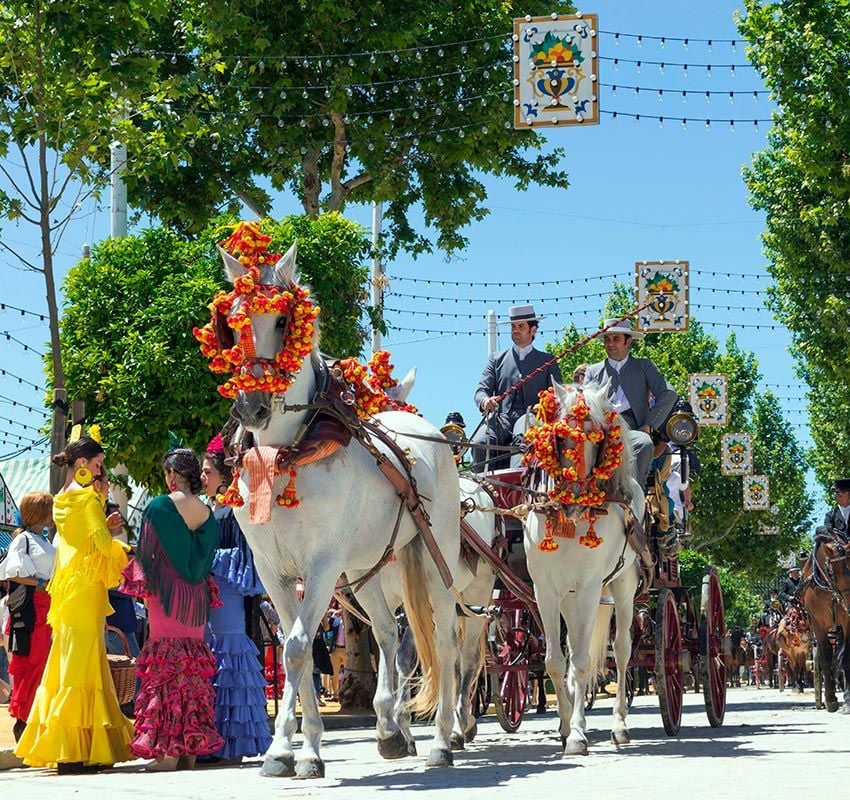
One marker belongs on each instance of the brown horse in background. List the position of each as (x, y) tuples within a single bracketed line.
[(741, 654), (770, 655), (826, 581), (794, 640)]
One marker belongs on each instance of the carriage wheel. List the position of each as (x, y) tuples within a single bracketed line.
[(714, 670), (510, 672), (669, 676), (481, 695)]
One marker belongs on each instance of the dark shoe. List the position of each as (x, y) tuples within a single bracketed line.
[(78, 768), (18, 729)]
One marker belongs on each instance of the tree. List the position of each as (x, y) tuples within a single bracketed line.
[(341, 102), (802, 183), (59, 67), (721, 529), (127, 329)]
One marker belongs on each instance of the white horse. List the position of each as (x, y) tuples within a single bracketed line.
[(344, 523), (569, 582), (475, 589)]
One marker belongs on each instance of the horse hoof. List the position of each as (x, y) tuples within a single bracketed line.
[(278, 767), (411, 748), (845, 709), (832, 706), (309, 768), (457, 741), (575, 747), (440, 758), (393, 746), (620, 737), (471, 733)]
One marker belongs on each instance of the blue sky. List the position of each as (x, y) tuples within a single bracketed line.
[(638, 191)]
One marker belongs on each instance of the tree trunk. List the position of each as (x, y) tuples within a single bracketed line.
[(357, 690), (311, 182)]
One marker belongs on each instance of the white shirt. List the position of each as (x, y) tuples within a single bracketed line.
[(619, 399), (845, 512), (38, 563), (522, 352)]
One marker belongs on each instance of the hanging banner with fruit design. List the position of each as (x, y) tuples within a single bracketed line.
[(736, 454), (768, 530), (662, 286), (708, 397), (756, 493), (556, 69)]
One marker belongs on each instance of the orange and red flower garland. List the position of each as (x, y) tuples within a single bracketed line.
[(543, 452)]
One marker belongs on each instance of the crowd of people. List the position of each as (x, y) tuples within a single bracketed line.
[(200, 691)]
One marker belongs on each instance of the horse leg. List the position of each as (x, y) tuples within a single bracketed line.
[(446, 642), (826, 668), (623, 592), (845, 669), (406, 660), (465, 726), (279, 761), (556, 661), (581, 612), (391, 741), (298, 660)]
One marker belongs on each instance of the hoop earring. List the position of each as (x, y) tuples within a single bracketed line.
[(83, 476)]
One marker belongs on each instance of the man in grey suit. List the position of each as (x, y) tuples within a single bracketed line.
[(503, 371), (632, 382)]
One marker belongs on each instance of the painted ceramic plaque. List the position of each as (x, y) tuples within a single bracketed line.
[(768, 530), (556, 71), (662, 286), (707, 395), (736, 454), (756, 493)]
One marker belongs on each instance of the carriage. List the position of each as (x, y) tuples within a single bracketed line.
[(671, 635)]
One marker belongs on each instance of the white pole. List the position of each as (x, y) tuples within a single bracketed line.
[(492, 333), (118, 159), (377, 271)]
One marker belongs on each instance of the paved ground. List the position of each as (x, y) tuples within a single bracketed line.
[(772, 744)]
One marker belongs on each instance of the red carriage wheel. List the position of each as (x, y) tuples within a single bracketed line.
[(510, 670), (713, 668), (669, 676)]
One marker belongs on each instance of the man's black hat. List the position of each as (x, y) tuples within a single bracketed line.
[(456, 418), (841, 485)]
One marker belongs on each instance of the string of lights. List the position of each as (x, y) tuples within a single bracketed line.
[(707, 121), (41, 444), (19, 404), (23, 425), (18, 437), (23, 311), (20, 379), (683, 94), (639, 62), (27, 348), (483, 332)]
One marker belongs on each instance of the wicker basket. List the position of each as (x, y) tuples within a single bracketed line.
[(123, 670)]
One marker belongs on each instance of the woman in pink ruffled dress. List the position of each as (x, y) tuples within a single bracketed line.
[(175, 719)]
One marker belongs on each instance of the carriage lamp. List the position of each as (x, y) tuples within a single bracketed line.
[(682, 428), (456, 435)]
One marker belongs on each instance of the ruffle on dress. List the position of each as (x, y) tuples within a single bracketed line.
[(175, 705), (133, 583), (240, 699), (236, 566)]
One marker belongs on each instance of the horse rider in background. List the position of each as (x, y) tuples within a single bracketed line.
[(836, 519), (504, 370), (632, 381)]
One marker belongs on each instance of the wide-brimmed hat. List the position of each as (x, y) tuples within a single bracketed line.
[(841, 485), (621, 326), (522, 314)]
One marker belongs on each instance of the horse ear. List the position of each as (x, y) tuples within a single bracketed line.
[(233, 267), (561, 393), (405, 385), (285, 271)]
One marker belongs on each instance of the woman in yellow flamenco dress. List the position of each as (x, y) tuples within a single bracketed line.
[(76, 724)]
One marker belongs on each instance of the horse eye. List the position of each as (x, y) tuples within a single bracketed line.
[(281, 323)]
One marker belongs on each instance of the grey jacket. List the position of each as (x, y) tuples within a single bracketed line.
[(639, 378), (503, 371), (835, 521)]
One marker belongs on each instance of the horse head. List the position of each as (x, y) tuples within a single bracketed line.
[(588, 428), (266, 329)]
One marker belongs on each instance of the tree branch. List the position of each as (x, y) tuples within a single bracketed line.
[(29, 265), (250, 202), (708, 542), (357, 180)]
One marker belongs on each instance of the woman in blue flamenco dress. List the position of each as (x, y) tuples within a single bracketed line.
[(240, 700)]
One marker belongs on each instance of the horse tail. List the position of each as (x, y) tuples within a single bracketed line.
[(420, 616), (599, 640)]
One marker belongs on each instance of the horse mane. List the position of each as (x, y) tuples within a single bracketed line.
[(599, 404)]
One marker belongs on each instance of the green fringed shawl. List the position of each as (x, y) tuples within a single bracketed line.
[(176, 561)]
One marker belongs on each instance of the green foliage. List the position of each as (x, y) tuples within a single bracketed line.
[(802, 183), (414, 130), (721, 529), (740, 601), (127, 329)]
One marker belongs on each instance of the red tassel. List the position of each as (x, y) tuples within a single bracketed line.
[(289, 499)]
